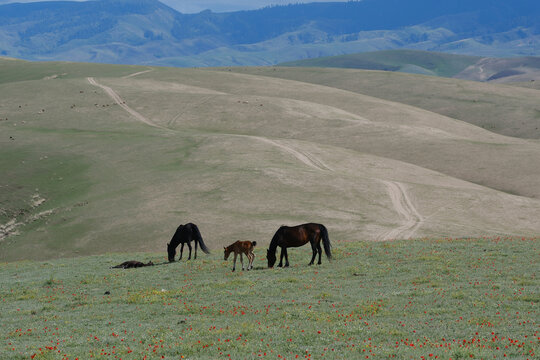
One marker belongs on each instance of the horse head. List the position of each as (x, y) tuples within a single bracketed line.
[(171, 251), (226, 253), (271, 257)]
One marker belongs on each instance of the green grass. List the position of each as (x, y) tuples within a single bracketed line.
[(11, 70), (468, 298)]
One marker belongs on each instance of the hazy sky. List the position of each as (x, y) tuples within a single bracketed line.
[(194, 6)]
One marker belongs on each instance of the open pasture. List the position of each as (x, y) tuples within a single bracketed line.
[(101, 163), (415, 299)]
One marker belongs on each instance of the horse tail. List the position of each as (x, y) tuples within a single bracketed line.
[(199, 239), (326, 241), (253, 243)]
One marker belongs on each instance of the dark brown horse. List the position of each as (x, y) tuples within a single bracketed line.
[(132, 264), (184, 235), (298, 236), (241, 247)]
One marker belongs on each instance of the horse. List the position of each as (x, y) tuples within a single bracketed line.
[(241, 247), (131, 264), (296, 236), (184, 234)]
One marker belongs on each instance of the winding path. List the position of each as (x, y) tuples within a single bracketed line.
[(123, 104), (137, 73), (411, 218), (304, 156)]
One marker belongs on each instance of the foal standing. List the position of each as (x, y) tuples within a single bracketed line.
[(241, 247)]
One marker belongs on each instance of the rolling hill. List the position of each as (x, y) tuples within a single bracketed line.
[(109, 158), (500, 70), (407, 61), (149, 32), (504, 109)]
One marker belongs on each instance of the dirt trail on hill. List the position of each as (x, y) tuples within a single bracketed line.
[(410, 217), (122, 103), (403, 205), (302, 155), (137, 73)]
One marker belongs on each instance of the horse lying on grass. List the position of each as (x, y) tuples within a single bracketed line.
[(241, 247), (132, 264)]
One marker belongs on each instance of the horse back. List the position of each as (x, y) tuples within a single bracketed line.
[(299, 235), (244, 246)]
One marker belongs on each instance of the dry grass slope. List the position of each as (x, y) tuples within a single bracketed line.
[(105, 158)]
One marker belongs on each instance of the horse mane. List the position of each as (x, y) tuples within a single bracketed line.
[(274, 242), (176, 237)]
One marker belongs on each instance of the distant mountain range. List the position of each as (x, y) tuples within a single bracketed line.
[(149, 32)]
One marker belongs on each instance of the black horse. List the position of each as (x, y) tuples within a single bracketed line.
[(185, 234), (297, 236), (132, 264)]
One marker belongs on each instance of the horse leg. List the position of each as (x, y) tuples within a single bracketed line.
[(234, 263), (181, 251), (189, 246), (251, 260), (314, 249), (242, 261), (281, 257), (286, 258), (320, 252)]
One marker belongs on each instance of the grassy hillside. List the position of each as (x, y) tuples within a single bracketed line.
[(408, 61), (498, 70), (503, 109), (524, 69), (459, 299), (100, 158)]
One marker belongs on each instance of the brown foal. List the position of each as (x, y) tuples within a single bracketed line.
[(241, 247)]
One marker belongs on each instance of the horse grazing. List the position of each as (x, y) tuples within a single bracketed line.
[(184, 235), (131, 264), (296, 236), (241, 247)]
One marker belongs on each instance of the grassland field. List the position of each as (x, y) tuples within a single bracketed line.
[(412, 299), (429, 188)]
